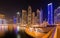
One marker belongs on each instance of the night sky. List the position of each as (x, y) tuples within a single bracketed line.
[(10, 7)]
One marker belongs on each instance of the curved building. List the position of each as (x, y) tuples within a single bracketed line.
[(57, 15)]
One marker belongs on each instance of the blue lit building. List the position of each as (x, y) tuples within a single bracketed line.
[(50, 14)]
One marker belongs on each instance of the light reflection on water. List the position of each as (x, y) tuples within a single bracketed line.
[(18, 36)]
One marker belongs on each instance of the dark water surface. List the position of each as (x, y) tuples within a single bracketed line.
[(12, 34)]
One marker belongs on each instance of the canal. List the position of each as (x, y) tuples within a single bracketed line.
[(12, 34)]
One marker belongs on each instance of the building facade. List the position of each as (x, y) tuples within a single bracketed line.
[(29, 16), (33, 18), (24, 17)]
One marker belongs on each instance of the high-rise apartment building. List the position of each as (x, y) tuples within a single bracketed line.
[(29, 15), (57, 15), (33, 18), (38, 16), (24, 17)]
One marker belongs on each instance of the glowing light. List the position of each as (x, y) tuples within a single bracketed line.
[(18, 36), (31, 29), (15, 20), (4, 22), (50, 14), (0, 21), (18, 28), (18, 13), (6, 28)]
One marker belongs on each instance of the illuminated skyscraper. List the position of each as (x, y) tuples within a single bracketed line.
[(20, 20), (24, 17), (50, 14), (33, 18), (39, 16), (57, 15), (29, 15), (35, 22)]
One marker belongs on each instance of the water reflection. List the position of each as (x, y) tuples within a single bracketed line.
[(12, 34)]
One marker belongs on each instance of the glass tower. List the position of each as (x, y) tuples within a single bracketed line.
[(57, 15), (50, 14)]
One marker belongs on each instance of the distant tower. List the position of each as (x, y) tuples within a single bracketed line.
[(39, 16), (29, 15), (50, 14), (33, 18), (36, 20), (20, 20), (57, 15), (24, 17), (38, 11)]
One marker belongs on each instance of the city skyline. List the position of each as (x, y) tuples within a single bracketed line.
[(11, 7)]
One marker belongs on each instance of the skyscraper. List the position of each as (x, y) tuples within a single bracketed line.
[(57, 15), (41, 16), (24, 17), (38, 11), (50, 14), (36, 20), (33, 18), (29, 15)]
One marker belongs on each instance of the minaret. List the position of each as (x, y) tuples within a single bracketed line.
[(24, 17), (29, 15)]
